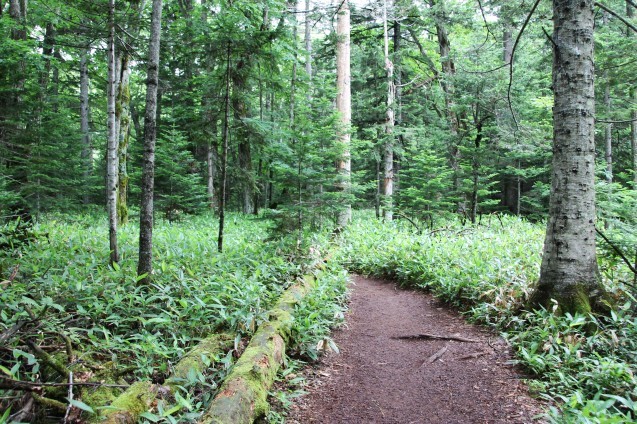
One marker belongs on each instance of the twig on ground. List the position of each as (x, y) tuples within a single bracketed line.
[(70, 397), (48, 402), (30, 386), (14, 273), (49, 360), (433, 358), (473, 355)]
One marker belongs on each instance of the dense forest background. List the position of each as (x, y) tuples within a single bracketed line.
[(471, 134), (469, 127)]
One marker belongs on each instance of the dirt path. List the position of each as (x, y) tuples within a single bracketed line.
[(379, 379)]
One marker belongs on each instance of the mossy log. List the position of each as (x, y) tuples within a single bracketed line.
[(138, 398), (243, 395)]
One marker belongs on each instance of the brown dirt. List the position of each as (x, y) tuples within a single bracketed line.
[(377, 378)]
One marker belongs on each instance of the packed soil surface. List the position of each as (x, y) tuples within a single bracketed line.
[(379, 378)]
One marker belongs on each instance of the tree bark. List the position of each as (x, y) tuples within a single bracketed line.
[(630, 12), (308, 45), (388, 149), (608, 133), (224, 155), (123, 118), (87, 147), (569, 272), (112, 158), (447, 83), (145, 264), (344, 107)]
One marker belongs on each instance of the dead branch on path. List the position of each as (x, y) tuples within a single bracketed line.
[(436, 337), (433, 358), (473, 355)]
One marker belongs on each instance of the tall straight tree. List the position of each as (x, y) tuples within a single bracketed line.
[(145, 264), (388, 160), (344, 107), (569, 272), (111, 128)]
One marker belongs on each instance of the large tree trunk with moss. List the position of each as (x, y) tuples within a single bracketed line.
[(344, 107), (123, 118), (139, 397), (569, 272), (145, 263)]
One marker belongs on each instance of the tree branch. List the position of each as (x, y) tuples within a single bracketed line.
[(617, 250), (515, 46), (615, 14)]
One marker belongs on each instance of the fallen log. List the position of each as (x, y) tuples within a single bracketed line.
[(243, 395), (138, 398)]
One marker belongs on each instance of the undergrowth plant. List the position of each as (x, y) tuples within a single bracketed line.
[(100, 322), (488, 271)]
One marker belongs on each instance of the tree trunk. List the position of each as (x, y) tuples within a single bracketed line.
[(123, 117), (145, 264), (224, 155), (569, 272), (344, 107), (447, 83), (608, 130), (630, 12), (388, 157), (87, 147), (211, 166), (308, 45), (111, 159), (608, 133)]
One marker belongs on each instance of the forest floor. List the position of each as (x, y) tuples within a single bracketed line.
[(380, 378)]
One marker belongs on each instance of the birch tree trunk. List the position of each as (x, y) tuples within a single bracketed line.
[(569, 272), (344, 107), (111, 157), (388, 150), (145, 264)]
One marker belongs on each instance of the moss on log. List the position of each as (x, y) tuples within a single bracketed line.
[(139, 397), (243, 395)]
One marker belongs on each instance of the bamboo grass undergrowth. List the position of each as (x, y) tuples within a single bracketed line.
[(124, 331), (488, 271)]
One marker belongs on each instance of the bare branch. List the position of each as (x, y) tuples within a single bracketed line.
[(615, 14), (515, 45)]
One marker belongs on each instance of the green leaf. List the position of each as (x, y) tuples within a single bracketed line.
[(150, 417), (81, 405)]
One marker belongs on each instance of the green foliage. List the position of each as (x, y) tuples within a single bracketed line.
[(179, 187), (64, 287), (319, 311)]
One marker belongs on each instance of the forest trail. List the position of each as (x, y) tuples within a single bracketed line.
[(378, 378)]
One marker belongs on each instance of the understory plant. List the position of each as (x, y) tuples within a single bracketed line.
[(66, 310)]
